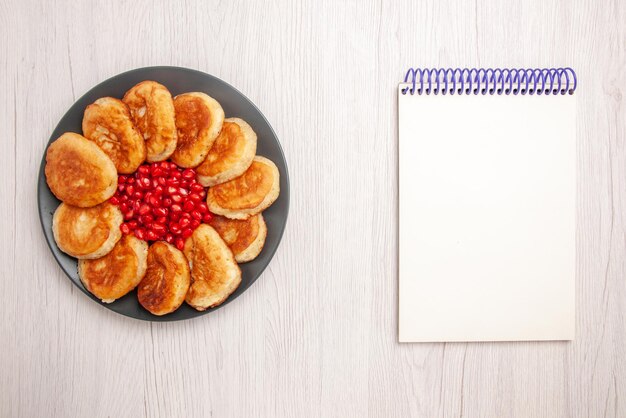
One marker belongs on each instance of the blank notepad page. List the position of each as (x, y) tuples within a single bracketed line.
[(487, 190)]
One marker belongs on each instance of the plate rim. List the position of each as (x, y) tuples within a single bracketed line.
[(165, 318)]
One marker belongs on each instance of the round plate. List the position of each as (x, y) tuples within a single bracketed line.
[(177, 80)]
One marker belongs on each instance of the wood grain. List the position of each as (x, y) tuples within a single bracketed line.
[(317, 334)]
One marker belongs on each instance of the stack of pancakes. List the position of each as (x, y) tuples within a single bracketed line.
[(191, 131)]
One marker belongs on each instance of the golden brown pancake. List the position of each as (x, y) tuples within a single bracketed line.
[(199, 120), (107, 123), (245, 238), (251, 193), (78, 172), (164, 287), (214, 271), (152, 111), (118, 272), (87, 232), (231, 153)]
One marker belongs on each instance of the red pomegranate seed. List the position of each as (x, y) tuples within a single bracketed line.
[(158, 228), (114, 200), (157, 171), (160, 211), (167, 202), (207, 217), (125, 229), (180, 243), (151, 235), (202, 207), (202, 193), (174, 216), (144, 169), (176, 208), (196, 187), (138, 195), (132, 225), (159, 180), (195, 223), (130, 189), (188, 206), (172, 190), (175, 228), (159, 190), (189, 174), (169, 238), (196, 215), (187, 232), (195, 197), (128, 215), (175, 174), (173, 166), (146, 219), (155, 201), (136, 205), (130, 180), (184, 222), (183, 191), (124, 207), (176, 198), (121, 179), (121, 187), (144, 209), (161, 219), (165, 165), (172, 181), (186, 215)]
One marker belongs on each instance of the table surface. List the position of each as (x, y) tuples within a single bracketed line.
[(317, 334)]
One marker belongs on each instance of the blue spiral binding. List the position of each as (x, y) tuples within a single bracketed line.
[(524, 81)]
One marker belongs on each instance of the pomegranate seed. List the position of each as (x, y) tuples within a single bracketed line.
[(160, 211), (172, 190), (144, 209), (183, 191), (114, 200), (180, 243), (167, 202), (157, 171), (187, 232), (165, 165), (174, 216), (125, 229), (202, 193), (123, 198), (132, 225), (196, 215), (161, 219), (202, 207), (172, 181), (207, 217), (169, 238), (147, 196), (185, 183), (186, 215), (176, 208), (195, 197), (124, 207), (140, 233), (195, 223), (130, 180), (184, 222), (176, 198), (189, 174), (136, 205), (173, 166), (151, 235), (188, 206), (146, 219), (155, 201), (159, 190), (130, 189), (175, 228), (121, 179), (160, 180), (138, 195), (176, 174), (144, 169), (121, 187), (158, 228), (128, 215), (196, 187)]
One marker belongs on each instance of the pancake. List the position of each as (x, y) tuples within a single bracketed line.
[(87, 232), (199, 120), (214, 271), (245, 238), (251, 193), (117, 273), (107, 123), (152, 111), (164, 287), (231, 153), (78, 172)]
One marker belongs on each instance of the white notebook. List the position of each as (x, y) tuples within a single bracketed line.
[(487, 202)]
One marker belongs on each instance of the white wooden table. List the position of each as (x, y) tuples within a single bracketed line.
[(316, 335)]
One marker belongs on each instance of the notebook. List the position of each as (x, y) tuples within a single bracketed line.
[(487, 200)]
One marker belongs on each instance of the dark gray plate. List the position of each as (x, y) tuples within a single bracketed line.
[(177, 80)]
